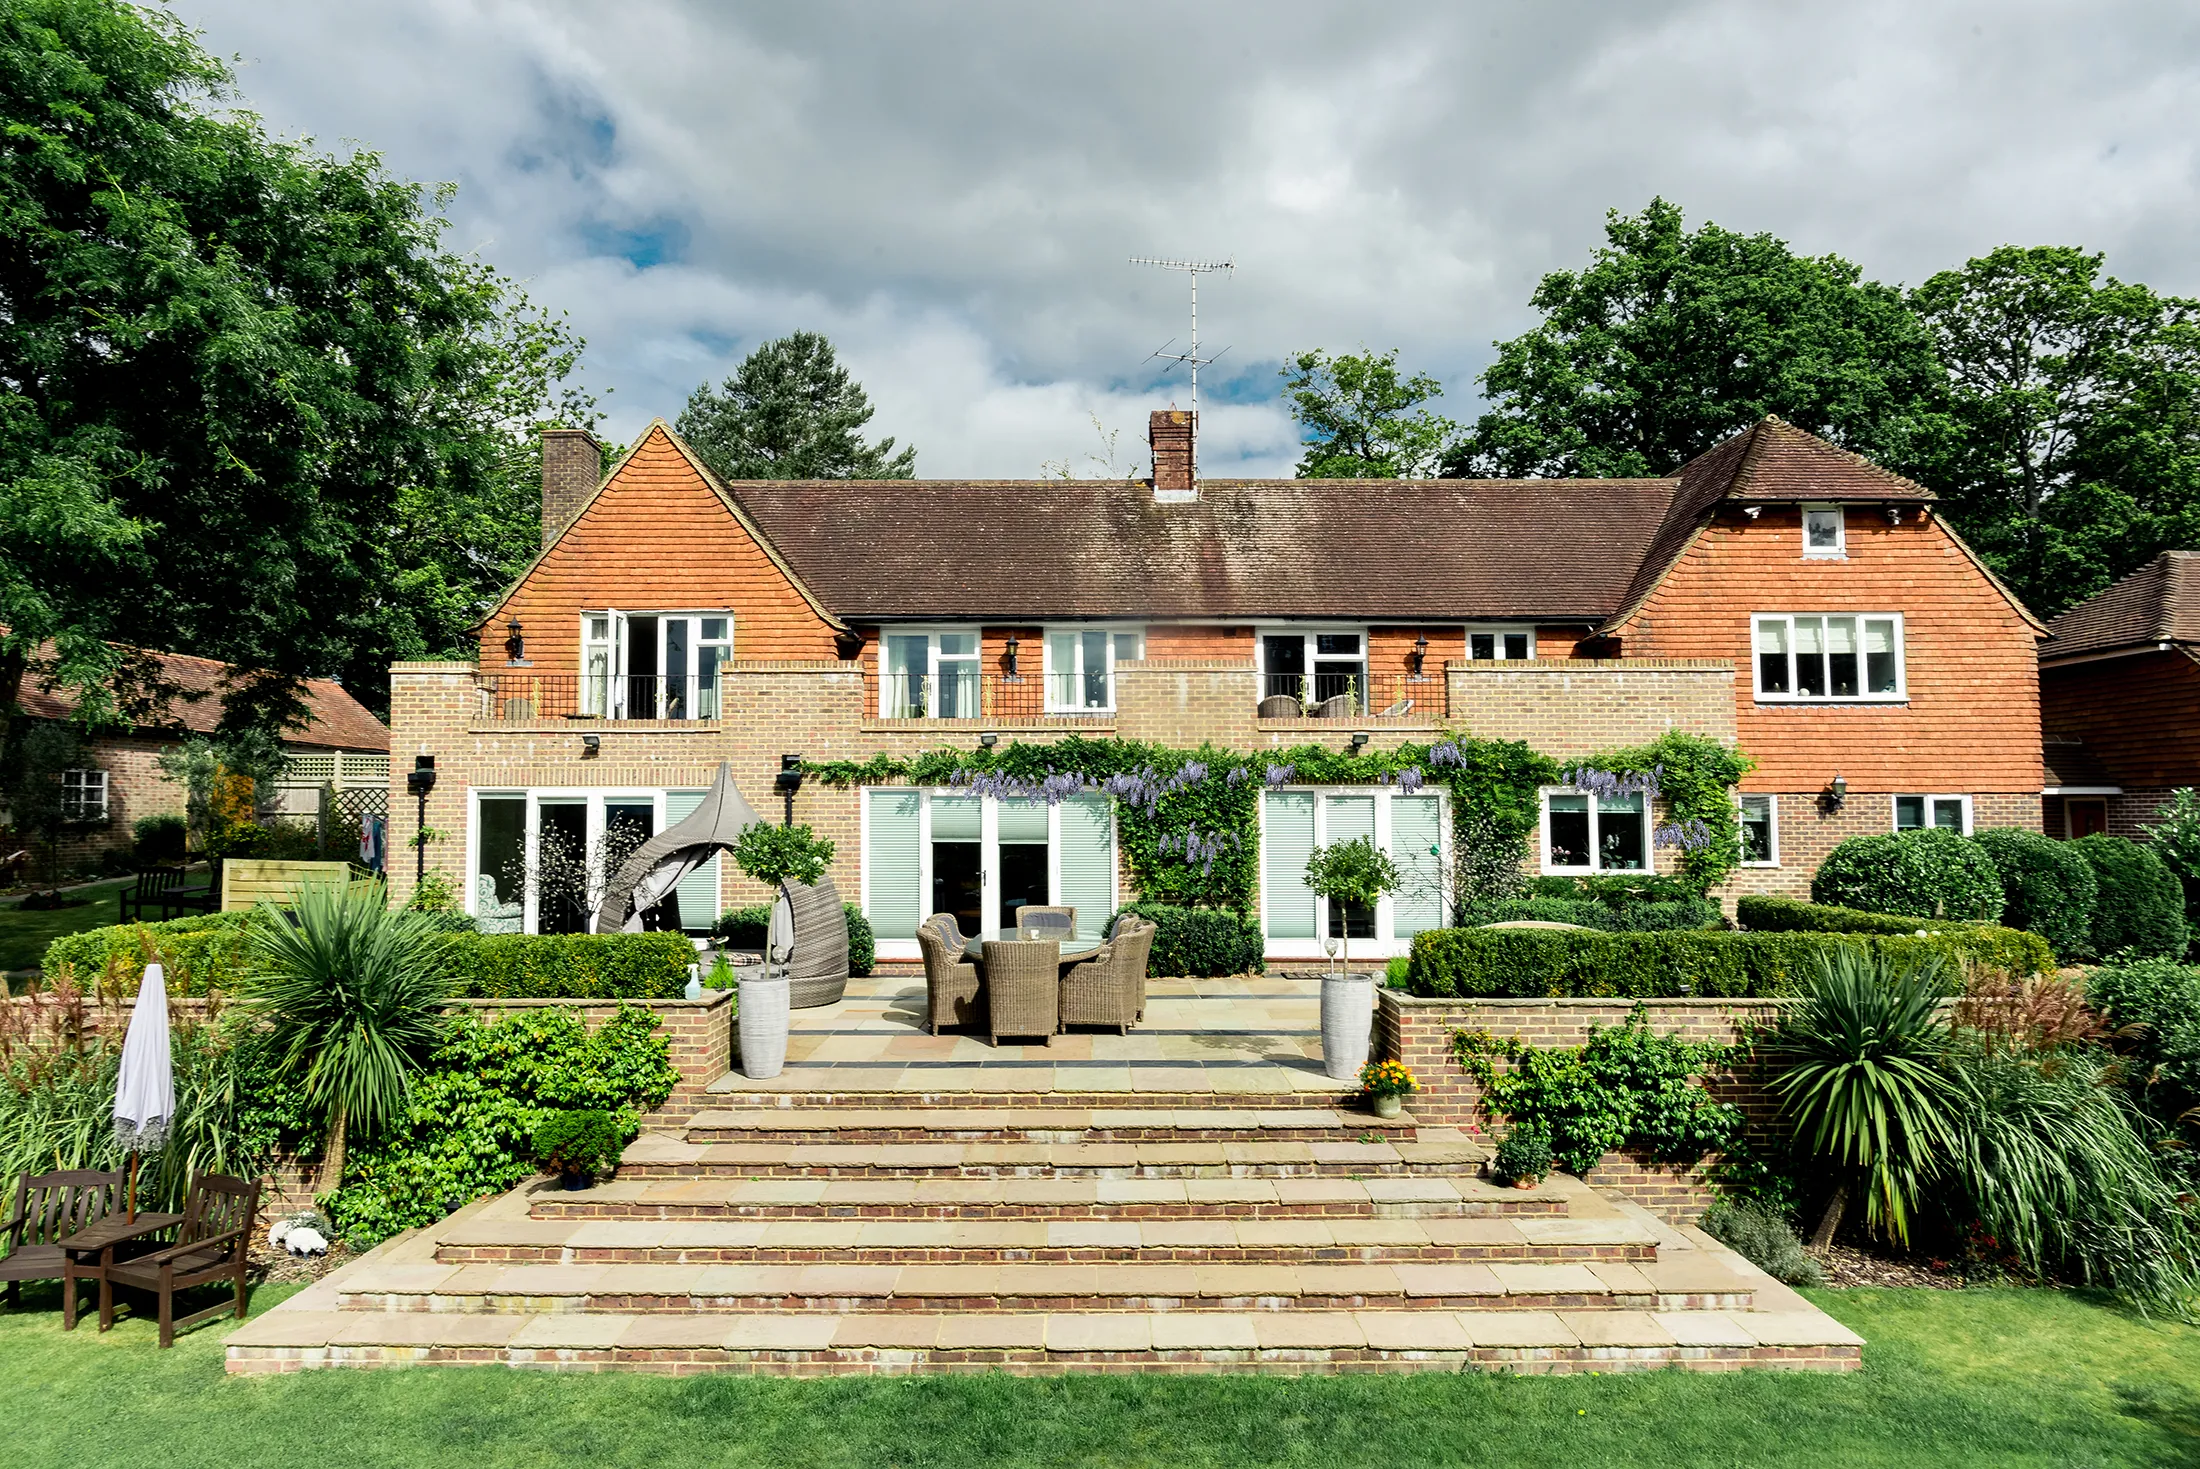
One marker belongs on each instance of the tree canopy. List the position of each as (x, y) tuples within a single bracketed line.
[(790, 411), (250, 407), (1360, 418)]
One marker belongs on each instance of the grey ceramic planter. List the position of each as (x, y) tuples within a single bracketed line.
[(763, 1023), (1348, 1020)]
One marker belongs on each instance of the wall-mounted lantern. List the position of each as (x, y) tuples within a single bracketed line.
[(1010, 650), (515, 645)]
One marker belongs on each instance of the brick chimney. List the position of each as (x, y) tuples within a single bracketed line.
[(572, 467), (1170, 431)]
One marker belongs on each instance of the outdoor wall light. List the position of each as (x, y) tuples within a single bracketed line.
[(591, 745), (515, 645), (1360, 738), (787, 782), (1420, 653), (1010, 650), (1753, 511), (1838, 791), (419, 781), (989, 739)]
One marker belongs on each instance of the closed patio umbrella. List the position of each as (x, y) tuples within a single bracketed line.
[(659, 863), (145, 1092)]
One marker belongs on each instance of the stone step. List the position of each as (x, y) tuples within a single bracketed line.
[(842, 1288), (659, 1157), (1413, 1196), (1116, 1124), (798, 1344), (972, 1088)]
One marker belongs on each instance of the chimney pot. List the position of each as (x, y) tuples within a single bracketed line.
[(1170, 431), (572, 467)]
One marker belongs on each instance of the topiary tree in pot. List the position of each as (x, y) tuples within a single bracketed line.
[(772, 855), (1358, 872)]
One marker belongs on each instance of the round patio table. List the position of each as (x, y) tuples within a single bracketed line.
[(1074, 952)]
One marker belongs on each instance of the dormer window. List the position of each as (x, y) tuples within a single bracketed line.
[(1825, 534)]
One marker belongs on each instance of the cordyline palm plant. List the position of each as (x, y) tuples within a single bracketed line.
[(1859, 1071), (352, 994)]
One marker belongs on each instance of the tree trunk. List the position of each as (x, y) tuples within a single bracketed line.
[(332, 1157), (1830, 1221)]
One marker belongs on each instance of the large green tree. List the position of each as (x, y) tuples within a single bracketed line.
[(2077, 400), (1361, 418), (790, 411), (1673, 339), (250, 407)]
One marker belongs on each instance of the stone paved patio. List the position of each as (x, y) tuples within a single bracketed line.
[(1241, 1035)]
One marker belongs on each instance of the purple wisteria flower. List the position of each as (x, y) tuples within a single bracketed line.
[(1691, 835)]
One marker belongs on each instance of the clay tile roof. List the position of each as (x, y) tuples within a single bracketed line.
[(1366, 549), (338, 721), (2158, 603)]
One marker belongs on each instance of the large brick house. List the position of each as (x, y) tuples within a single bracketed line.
[(2120, 700), (1777, 593)]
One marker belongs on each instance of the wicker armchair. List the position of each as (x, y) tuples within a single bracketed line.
[(1110, 989), (953, 992), (1343, 706), (1053, 923), (1280, 706), (1023, 988)]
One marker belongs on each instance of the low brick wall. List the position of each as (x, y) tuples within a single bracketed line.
[(1672, 1193), (700, 1033)]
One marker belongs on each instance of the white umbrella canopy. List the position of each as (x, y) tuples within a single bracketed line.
[(145, 1093)]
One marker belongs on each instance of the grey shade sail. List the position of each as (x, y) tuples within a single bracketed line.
[(659, 863)]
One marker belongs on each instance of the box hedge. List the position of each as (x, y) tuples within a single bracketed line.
[(2047, 887), (1531, 963), (200, 953), (1628, 917), (1200, 941), (1763, 914), (2141, 908), (1927, 873)]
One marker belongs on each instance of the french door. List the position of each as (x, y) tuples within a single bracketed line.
[(981, 858)]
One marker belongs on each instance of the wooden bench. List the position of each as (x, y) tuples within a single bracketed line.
[(48, 1208), (164, 891)]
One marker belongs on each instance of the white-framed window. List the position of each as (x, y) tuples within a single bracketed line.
[(1595, 833), (535, 857), (1314, 665), (929, 673), (1825, 533), (1410, 826), (1759, 818), (980, 858), (1508, 644), (653, 665), (1080, 665), (1829, 657), (1951, 813), (84, 795)]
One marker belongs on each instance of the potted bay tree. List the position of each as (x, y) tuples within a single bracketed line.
[(772, 855), (1350, 873)]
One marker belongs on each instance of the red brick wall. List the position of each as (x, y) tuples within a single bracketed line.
[(1675, 1194), (2139, 716)]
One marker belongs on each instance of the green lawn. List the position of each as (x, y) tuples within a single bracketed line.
[(1989, 1377), (24, 935)]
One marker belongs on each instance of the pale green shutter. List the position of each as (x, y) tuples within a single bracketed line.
[(1021, 821), (1351, 816), (1287, 837), (890, 863), (699, 889), (957, 818), (1088, 862), (1416, 839)]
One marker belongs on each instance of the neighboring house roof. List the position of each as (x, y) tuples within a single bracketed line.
[(2158, 603), (1411, 549), (337, 720), (2069, 765)]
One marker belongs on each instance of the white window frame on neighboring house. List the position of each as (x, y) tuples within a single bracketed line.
[(1312, 656), (1771, 805), (78, 789), (891, 686), (1497, 633), (1838, 519), (1121, 642), (1931, 811), (1596, 813), (1789, 629)]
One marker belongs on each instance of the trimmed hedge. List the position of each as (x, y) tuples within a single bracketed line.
[(2047, 887), (1200, 941), (2141, 908), (1530, 963), (201, 952), (1763, 914), (1929, 873), (1631, 917), (743, 928)]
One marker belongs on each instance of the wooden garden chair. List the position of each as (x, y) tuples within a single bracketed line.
[(48, 1208), (214, 1243)]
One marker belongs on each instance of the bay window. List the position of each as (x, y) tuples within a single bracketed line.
[(1583, 832), (1080, 666), (1810, 657)]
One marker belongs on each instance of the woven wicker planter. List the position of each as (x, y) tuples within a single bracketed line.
[(763, 1023), (1348, 1019)]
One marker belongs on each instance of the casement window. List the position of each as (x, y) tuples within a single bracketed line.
[(930, 675), (1080, 665), (1506, 643), (1951, 813), (537, 859), (1595, 833), (84, 795), (1829, 657), (1409, 826), (1314, 667), (1760, 823), (981, 858), (653, 665), (1825, 533)]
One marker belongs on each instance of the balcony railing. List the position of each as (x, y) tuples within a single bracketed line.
[(517, 697), (974, 695), (1383, 695)]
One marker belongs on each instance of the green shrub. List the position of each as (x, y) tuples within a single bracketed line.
[(1929, 873), (1764, 1238), (2141, 908), (159, 839), (1398, 972), (202, 953), (581, 1143), (1632, 917), (1523, 1155), (1200, 941), (570, 966), (2175, 838), (2153, 1005), (1760, 913), (1616, 889), (2046, 887), (1527, 963), (477, 1104), (743, 928)]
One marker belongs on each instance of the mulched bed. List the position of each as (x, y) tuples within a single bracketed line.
[(1848, 1265)]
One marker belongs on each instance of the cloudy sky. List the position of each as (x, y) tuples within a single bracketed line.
[(951, 192)]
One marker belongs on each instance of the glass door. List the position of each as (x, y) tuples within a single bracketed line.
[(958, 861), (1021, 837)]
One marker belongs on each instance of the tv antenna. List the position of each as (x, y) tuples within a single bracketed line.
[(1195, 269)]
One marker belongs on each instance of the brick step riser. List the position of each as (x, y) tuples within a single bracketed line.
[(710, 1136), (661, 1171), (1509, 1254), (871, 1361), (1342, 1100), (632, 1305), (1104, 1213)]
